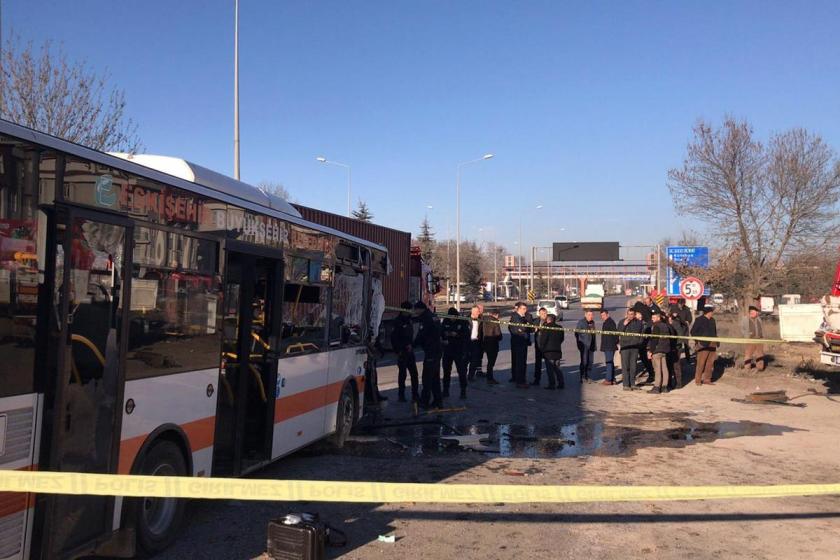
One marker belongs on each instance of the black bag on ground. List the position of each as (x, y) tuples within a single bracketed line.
[(301, 536)]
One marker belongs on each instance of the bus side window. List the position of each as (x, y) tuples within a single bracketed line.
[(347, 325)]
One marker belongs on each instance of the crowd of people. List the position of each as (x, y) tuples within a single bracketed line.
[(645, 341)]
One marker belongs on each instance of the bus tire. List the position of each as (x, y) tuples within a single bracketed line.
[(345, 417), (157, 521)]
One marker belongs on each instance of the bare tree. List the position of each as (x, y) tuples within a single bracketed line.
[(45, 91), (765, 204), (277, 189)]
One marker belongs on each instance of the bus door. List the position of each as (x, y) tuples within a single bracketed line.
[(245, 409), (92, 254)]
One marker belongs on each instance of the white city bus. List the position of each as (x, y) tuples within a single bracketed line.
[(169, 323)]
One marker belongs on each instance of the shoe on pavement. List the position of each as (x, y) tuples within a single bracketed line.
[(401, 398), (550, 388), (605, 382), (535, 382), (655, 391), (492, 381), (522, 386)]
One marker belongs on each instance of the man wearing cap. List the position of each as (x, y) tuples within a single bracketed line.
[(657, 350), (684, 319), (455, 333), (428, 337), (754, 353), (705, 326), (401, 341)]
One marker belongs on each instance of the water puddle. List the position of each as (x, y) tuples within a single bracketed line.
[(587, 437)]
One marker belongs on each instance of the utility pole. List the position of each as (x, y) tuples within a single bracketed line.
[(533, 255), (236, 89), (520, 257)]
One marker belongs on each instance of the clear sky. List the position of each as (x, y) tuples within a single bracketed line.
[(585, 104)]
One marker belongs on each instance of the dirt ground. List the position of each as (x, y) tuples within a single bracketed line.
[(586, 434)]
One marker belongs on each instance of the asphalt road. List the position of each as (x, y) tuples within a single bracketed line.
[(236, 529)]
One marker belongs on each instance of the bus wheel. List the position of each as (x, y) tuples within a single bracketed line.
[(157, 520), (345, 417)]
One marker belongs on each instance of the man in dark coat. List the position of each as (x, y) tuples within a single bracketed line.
[(551, 343), (705, 326), (657, 349), (538, 356), (609, 345), (630, 342), (644, 314), (675, 352), (402, 338), (652, 308), (492, 336), (585, 344), (682, 325), (429, 339), (520, 340), (455, 334)]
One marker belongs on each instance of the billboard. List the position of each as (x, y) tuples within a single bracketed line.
[(585, 251), (692, 256)]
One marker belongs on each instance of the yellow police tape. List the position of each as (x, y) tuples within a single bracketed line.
[(729, 339), (377, 492)]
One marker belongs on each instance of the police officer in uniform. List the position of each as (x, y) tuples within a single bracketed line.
[(455, 333)]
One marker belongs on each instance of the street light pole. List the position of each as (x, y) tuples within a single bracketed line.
[(458, 228), (236, 89), (322, 159), (519, 259), (533, 255)]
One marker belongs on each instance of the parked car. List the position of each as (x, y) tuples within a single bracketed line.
[(552, 307), (562, 302)]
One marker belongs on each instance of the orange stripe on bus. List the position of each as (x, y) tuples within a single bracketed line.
[(15, 502), (311, 399), (200, 434)]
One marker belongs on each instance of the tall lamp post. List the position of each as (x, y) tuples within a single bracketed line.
[(236, 89), (322, 159), (538, 207), (458, 228), (495, 263)]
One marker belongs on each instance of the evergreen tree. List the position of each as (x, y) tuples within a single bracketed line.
[(363, 213), (426, 240)]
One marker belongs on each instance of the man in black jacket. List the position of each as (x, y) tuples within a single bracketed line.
[(682, 325), (520, 340), (429, 338), (630, 343), (402, 338), (538, 355), (705, 326), (551, 344), (657, 350), (609, 344), (491, 337), (455, 334)]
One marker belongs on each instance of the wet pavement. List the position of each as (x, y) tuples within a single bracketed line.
[(587, 436)]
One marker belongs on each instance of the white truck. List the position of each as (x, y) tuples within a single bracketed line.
[(593, 297), (829, 334)]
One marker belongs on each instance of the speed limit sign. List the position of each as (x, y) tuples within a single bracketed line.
[(691, 288)]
